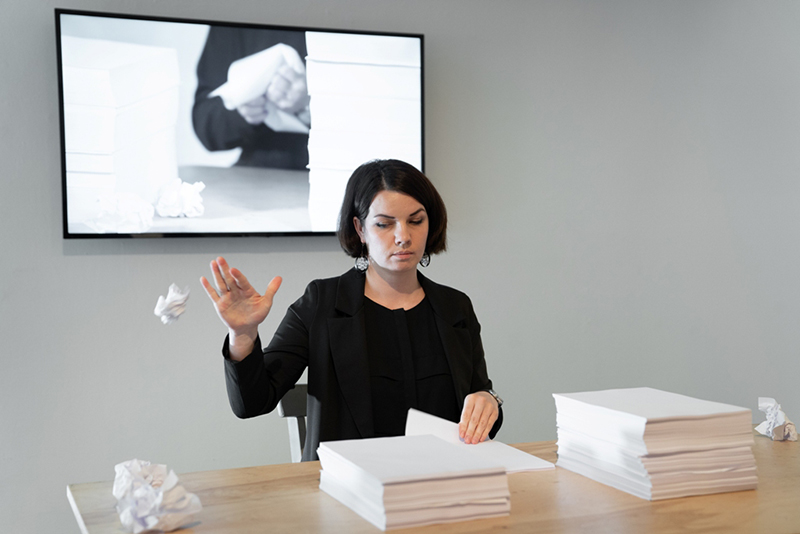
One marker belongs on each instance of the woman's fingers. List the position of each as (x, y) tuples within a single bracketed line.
[(477, 418), (240, 281), (466, 427), (482, 430), (218, 278), (225, 271), (210, 291), (476, 427), (273, 287), (228, 279)]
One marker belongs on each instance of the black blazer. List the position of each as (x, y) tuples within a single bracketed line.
[(324, 331)]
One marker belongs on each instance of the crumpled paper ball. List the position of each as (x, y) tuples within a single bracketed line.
[(150, 499), (777, 426), (172, 306), (180, 199)]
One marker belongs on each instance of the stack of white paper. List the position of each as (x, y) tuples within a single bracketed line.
[(120, 110), (655, 444), (365, 104), (409, 481)]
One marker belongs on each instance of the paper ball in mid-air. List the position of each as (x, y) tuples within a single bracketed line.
[(171, 307)]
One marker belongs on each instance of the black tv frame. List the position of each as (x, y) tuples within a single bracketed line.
[(250, 25)]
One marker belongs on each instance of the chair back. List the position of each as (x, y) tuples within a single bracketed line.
[(292, 407)]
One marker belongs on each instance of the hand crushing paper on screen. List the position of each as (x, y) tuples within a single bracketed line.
[(269, 87), (221, 125)]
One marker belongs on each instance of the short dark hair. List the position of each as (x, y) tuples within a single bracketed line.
[(390, 175)]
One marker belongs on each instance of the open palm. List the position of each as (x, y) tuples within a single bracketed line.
[(236, 301)]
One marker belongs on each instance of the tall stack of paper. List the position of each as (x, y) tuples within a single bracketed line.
[(365, 104), (120, 110), (655, 444), (409, 481)]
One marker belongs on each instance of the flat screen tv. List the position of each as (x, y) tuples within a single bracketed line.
[(181, 128)]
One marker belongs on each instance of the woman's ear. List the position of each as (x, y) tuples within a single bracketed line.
[(359, 229)]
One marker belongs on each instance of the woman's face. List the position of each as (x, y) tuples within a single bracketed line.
[(395, 231)]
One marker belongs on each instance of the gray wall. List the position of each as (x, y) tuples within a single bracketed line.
[(622, 180)]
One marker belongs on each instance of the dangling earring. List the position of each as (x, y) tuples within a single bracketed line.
[(425, 260), (362, 262)]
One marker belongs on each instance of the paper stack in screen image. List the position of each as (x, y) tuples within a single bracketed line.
[(407, 481), (365, 103), (654, 444), (120, 110)]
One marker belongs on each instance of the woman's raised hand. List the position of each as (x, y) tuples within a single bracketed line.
[(239, 305)]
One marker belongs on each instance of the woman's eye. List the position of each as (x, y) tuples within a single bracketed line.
[(416, 221), (381, 225)]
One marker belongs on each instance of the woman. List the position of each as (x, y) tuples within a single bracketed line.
[(377, 340)]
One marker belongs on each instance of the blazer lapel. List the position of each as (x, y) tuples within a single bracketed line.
[(349, 350), (455, 338)]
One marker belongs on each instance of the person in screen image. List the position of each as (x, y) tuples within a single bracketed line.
[(219, 128), (377, 340)]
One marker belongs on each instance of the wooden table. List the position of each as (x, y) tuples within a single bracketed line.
[(286, 498)]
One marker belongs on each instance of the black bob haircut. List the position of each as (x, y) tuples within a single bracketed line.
[(390, 175)]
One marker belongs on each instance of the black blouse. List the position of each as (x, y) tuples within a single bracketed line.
[(408, 367)]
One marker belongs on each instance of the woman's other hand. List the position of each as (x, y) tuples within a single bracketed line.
[(239, 305), (478, 417)]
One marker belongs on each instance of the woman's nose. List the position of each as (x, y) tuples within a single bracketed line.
[(401, 234)]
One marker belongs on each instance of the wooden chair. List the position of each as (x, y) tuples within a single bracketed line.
[(293, 407)]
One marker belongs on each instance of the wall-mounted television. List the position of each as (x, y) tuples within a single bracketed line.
[(181, 128)]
